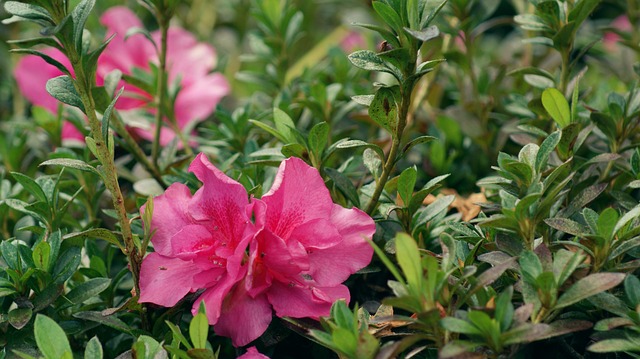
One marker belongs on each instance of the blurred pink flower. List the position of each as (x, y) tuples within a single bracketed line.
[(32, 74), (301, 246), (189, 65), (352, 42), (307, 247), (200, 241), (252, 353), (611, 39)]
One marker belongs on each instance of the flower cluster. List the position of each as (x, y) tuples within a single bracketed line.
[(189, 64), (288, 252)]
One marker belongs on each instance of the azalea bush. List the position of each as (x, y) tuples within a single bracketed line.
[(334, 179)]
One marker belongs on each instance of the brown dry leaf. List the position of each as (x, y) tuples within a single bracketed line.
[(466, 206), (382, 323)]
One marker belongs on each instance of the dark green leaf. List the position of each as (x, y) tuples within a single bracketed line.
[(19, 317), (31, 186), (87, 290), (344, 184)]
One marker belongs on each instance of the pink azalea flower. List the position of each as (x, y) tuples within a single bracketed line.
[(301, 247), (252, 353), (307, 247), (200, 240), (32, 74), (353, 41), (189, 64), (611, 39)]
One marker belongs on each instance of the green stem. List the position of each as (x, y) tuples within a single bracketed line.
[(162, 80), (565, 71), (109, 171), (396, 139)]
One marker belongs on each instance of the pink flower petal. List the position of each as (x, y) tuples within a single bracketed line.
[(319, 233), (214, 296), (351, 254), (252, 353), (198, 100), (273, 258), (301, 300), (159, 273), (298, 195), (243, 318), (170, 215), (186, 57), (71, 133), (124, 55), (221, 199)]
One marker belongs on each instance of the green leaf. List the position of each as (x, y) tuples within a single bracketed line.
[(408, 257), (417, 141), (51, 339), (406, 184), (108, 320), (567, 226), (31, 186), (35, 41), (42, 256), (48, 59), (388, 15), (93, 349), (198, 331), (424, 35), (178, 336), (557, 106), (384, 108), (71, 163), (99, 233), (63, 90), (588, 286), (284, 124), (459, 326), (360, 143), (614, 345), (31, 12), (79, 15), (632, 290), (275, 133), (368, 60), (318, 138), (67, 264), (546, 149), (626, 218), (431, 211), (607, 223), (87, 290), (344, 185)]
